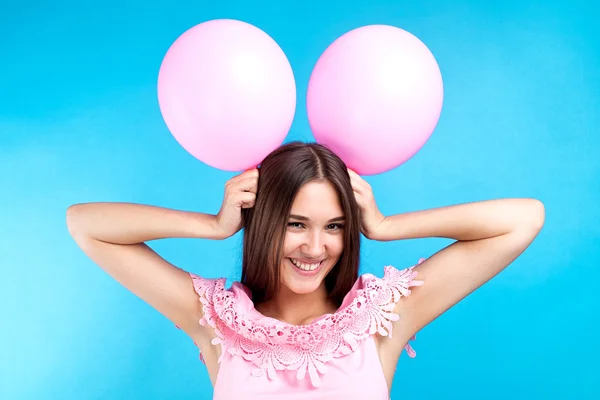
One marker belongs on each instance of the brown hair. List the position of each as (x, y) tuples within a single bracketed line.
[(282, 174)]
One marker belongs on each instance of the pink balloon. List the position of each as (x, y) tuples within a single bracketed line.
[(374, 97), (227, 93)]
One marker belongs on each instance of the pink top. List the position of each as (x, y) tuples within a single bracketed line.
[(334, 357)]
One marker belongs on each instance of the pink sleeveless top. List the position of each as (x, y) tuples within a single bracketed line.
[(334, 357)]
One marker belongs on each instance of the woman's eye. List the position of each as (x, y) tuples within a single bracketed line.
[(330, 227), (334, 227)]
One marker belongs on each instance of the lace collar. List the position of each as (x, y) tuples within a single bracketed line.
[(273, 345)]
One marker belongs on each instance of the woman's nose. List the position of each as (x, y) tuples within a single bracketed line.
[(314, 246)]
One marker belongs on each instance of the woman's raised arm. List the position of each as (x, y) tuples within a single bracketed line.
[(113, 235)]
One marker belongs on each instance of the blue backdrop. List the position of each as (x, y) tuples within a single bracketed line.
[(79, 122)]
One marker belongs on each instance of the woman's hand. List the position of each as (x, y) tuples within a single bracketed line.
[(240, 192), (371, 217)]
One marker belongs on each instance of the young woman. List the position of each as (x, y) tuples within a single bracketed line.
[(301, 323)]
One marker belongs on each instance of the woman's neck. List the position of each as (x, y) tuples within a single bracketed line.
[(297, 309)]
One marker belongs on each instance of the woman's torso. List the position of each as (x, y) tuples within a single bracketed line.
[(373, 356)]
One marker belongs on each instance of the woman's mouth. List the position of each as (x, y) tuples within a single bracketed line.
[(306, 267)]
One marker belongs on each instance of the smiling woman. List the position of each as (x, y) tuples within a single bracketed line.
[(300, 305)]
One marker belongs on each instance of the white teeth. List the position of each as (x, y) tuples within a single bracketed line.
[(305, 267)]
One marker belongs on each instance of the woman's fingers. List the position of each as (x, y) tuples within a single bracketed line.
[(358, 184), (245, 182), (247, 185), (246, 199)]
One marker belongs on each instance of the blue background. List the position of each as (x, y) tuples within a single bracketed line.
[(79, 122)]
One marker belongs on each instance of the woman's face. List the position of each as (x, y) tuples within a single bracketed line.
[(314, 239)]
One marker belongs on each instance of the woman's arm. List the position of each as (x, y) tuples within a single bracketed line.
[(113, 235), (490, 235)]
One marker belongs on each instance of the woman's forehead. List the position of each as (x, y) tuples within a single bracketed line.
[(317, 200)]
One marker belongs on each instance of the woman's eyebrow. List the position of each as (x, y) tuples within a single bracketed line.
[(303, 218)]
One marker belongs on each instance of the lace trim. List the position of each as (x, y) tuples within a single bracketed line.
[(272, 345)]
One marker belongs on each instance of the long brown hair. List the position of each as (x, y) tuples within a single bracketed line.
[(281, 175)]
